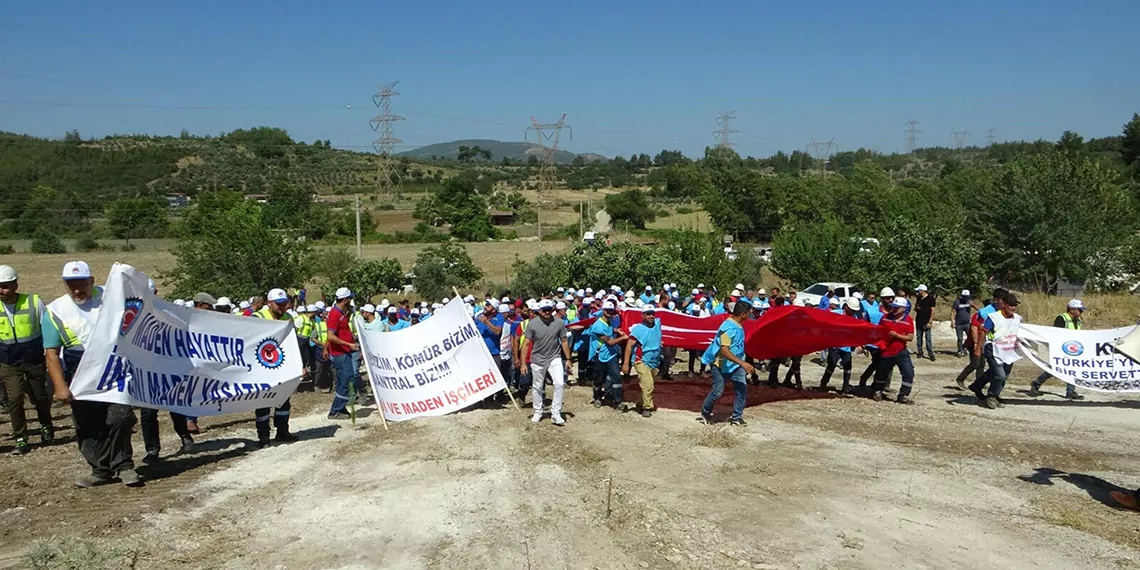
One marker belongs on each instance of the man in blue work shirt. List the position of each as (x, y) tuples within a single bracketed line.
[(840, 356), (605, 341), (725, 357), (648, 297), (643, 352)]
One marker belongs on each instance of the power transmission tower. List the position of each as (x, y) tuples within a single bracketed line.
[(911, 135), (725, 129), (990, 138), (388, 178), (547, 155), (960, 137), (822, 151)]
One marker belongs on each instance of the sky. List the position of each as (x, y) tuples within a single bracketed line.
[(630, 76)]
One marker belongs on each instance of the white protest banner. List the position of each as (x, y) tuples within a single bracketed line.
[(151, 353), (1084, 358), (434, 368)]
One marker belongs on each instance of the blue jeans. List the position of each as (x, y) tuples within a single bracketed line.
[(345, 377), (1070, 390), (887, 364), (996, 374), (356, 374), (926, 338), (607, 381), (739, 388)]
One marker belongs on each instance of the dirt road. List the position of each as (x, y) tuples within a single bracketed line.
[(809, 483)]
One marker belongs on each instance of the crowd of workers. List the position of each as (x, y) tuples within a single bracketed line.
[(533, 342)]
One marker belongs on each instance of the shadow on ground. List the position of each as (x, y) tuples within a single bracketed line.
[(1096, 487)]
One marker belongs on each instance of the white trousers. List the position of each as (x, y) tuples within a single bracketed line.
[(538, 385)]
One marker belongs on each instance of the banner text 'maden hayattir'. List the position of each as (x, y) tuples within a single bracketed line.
[(175, 390), (155, 336)]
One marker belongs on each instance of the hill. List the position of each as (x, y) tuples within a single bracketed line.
[(517, 151)]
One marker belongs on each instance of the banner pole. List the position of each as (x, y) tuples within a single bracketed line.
[(507, 388)]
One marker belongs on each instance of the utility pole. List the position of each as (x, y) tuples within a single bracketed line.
[(547, 155), (960, 137), (911, 135), (386, 144), (990, 138), (359, 244), (725, 129), (822, 151)]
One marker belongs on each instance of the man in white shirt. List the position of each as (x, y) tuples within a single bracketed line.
[(1002, 328), (102, 430)]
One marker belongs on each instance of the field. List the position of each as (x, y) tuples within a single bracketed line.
[(811, 482)]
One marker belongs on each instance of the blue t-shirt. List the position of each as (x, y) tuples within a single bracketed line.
[(48, 332), (601, 351), (729, 334), (650, 341), (825, 302), (719, 310), (986, 311), (648, 298), (400, 324), (489, 337)]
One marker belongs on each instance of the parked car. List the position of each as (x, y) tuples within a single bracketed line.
[(812, 294)]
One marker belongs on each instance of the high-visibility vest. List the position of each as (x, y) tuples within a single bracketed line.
[(304, 325), (20, 332), (320, 333), (74, 329), (522, 331), (351, 325), (1070, 322), (571, 313)]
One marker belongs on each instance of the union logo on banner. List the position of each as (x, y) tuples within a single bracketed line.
[(131, 309), (269, 353), (1073, 348)]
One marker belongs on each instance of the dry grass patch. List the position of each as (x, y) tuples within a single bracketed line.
[(719, 436), (562, 449)]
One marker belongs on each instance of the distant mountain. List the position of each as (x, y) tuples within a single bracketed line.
[(592, 157), (518, 151)]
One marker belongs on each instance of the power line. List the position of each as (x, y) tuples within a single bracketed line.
[(387, 142), (722, 134), (823, 151), (990, 138), (960, 137), (548, 174), (911, 135)]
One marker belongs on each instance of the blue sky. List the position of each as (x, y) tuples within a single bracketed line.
[(631, 76)]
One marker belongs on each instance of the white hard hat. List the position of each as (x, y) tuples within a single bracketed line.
[(853, 304), (311, 309), (368, 308), (672, 305), (414, 311), (244, 304), (858, 296), (834, 302), (695, 291), (504, 308), (629, 293), (761, 291), (920, 288), (445, 300), (887, 292), (608, 305), (965, 292), (1076, 304), (7, 274), (736, 293), (223, 302), (631, 301), (343, 293), (740, 286), (798, 302), (560, 305), (276, 296)]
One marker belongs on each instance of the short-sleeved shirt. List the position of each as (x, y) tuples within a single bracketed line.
[(729, 334), (545, 340), (649, 343), (962, 309), (601, 351), (924, 310), (399, 325), (490, 338), (339, 327), (894, 346)]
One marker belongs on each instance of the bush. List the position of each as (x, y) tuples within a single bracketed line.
[(809, 253), (630, 207), (386, 207), (684, 210), (87, 243), (662, 213), (7, 249), (128, 247), (45, 241)]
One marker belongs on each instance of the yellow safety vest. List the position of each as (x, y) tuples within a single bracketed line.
[(351, 325), (522, 331), (320, 333), (304, 325), (1070, 323), (571, 313), (23, 324)]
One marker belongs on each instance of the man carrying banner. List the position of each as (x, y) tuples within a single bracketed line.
[(603, 339), (22, 359), (546, 350), (725, 357), (1070, 319), (102, 430), (895, 353), (341, 347), (148, 417), (276, 303), (644, 352), (840, 356), (975, 341), (1002, 328)]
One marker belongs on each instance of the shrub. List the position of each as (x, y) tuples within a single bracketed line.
[(128, 247), (7, 249), (386, 207), (45, 241), (439, 268), (684, 210), (86, 243)]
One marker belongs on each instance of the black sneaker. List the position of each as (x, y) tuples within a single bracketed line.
[(905, 400), (706, 419), (47, 435), (285, 437), (151, 458), (878, 396), (21, 447), (1074, 397), (88, 481), (738, 422), (992, 403), (130, 478), (597, 403), (340, 416), (1034, 390), (262, 443), (979, 395), (187, 445), (646, 414), (961, 384)]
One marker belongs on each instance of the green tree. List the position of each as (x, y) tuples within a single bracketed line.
[(630, 207), (239, 256), (286, 205), (458, 202), (56, 211), (745, 203), (130, 218), (810, 253), (440, 268), (46, 241), (1047, 215), (1130, 143), (1071, 142), (373, 277), (941, 255), (669, 158)]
